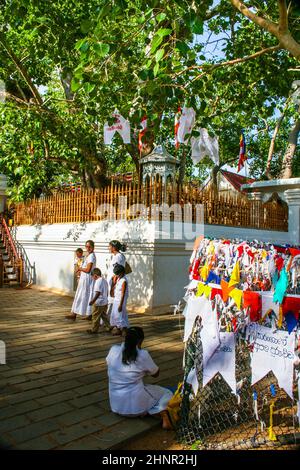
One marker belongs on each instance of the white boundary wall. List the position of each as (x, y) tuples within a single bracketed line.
[(159, 259)]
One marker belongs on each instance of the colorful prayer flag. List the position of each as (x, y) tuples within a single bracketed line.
[(242, 155), (142, 132)]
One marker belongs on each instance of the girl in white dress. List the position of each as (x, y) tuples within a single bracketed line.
[(115, 248), (127, 364), (81, 300), (119, 293)]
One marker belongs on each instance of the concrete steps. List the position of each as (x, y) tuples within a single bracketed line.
[(9, 274)]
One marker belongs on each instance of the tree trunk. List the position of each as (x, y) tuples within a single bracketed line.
[(287, 163), (182, 167), (272, 143)]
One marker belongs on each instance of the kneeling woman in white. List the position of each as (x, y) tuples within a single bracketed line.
[(127, 364)]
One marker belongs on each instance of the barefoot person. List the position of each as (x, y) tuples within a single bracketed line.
[(79, 259), (127, 364), (81, 300), (98, 301), (119, 293), (115, 247)]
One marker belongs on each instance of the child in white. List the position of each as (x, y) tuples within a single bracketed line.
[(119, 292), (98, 301)]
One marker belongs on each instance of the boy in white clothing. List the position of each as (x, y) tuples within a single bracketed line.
[(99, 301)]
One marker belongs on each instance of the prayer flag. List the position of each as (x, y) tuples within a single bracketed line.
[(242, 155), (142, 132)]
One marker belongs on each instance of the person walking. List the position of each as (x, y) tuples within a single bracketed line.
[(119, 293), (98, 302), (82, 296)]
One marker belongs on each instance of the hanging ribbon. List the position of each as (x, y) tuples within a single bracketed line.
[(236, 295), (235, 275)]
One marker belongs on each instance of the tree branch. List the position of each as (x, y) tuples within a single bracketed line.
[(22, 70), (283, 16), (284, 37), (210, 68), (262, 22)]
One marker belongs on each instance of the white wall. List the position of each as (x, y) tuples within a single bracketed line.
[(159, 259)]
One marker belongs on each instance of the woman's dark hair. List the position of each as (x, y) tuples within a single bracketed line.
[(96, 271), (119, 269), (90, 242), (118, 245), (134, 336)]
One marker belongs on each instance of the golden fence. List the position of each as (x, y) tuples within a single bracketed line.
[(120, 202)]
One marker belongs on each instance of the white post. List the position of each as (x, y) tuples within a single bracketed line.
[(292, 197)]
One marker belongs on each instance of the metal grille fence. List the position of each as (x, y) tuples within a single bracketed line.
[(216, 419)]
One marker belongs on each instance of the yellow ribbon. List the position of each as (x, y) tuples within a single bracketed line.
[(204, 272), (272, 435), (203, 289), (280, 318), (211, 249), (236, 295), (235, 275)]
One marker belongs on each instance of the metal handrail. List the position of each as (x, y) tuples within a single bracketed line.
[(28, 268), (11, 249)]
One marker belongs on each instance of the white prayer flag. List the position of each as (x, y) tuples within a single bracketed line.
[(193, 380), (210, 335), (186, 124), (272, 351), (121, 125), (222, 361), (191, 312), (203, 146), (268, 304)]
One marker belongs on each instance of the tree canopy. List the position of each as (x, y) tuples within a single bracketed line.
[(67, 65)]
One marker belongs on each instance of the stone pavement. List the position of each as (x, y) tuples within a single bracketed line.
[(53, 388)]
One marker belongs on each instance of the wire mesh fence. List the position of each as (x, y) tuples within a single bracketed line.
[(259, 416)]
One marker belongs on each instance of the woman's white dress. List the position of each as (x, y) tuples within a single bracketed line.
[(128, 395), (81, 300), (119, 319)]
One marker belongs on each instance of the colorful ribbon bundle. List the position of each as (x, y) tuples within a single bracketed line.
[(248, 278), (245, 292)]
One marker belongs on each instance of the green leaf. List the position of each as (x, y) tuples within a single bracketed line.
[(82, 45), (197, 27), (156, 69), (160, 17), (157, 40), (101, 49), (19, 171), (75, 85), (85, 26), (182, 47), (143, 74), (88, 87), (164, 32), (159, 54)]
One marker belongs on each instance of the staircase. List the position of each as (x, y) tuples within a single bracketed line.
[(10, 274), (11, 261)]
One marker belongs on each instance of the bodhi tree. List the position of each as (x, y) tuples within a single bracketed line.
[(68, 65)]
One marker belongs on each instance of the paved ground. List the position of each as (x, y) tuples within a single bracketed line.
[(53, 389)]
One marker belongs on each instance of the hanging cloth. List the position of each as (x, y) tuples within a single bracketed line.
[(252, 301), (281, 287), (291, 304), (235, 275), (236, 295)]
